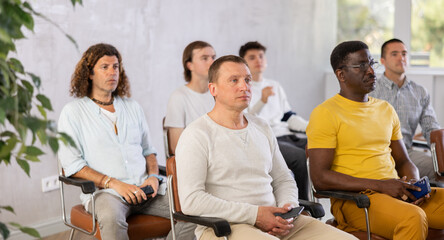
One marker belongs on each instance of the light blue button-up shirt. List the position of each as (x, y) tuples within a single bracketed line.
[(120, 156)]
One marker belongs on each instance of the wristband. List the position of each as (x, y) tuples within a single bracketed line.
[(156, 176), (107, 182)]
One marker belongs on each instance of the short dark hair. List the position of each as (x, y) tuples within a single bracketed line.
[(213, 72), (81, 84), (251, 45), (188, 56), (393, 40), (340, 53)]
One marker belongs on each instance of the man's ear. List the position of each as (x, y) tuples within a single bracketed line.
[(189, 65), (382, 61), (212, 87), (340, 74)]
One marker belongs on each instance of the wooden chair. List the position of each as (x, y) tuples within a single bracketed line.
[(140, 226)]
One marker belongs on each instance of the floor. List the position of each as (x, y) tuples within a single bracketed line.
[(77, 236), (65, 235)]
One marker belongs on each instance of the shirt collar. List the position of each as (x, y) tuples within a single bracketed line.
[(96, 107), (390, 84)]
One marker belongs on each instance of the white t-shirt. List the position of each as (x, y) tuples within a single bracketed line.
[(228, 173), (186, 105), (274, 109)]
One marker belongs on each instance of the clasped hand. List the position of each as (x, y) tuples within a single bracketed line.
[(132, 193), (274, 225)]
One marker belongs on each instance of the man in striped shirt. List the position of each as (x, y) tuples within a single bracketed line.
[(410, 100)]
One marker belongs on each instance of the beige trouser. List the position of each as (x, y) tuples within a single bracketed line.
[(424, 163), (304, 228)]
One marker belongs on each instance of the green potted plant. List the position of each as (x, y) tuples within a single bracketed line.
[(21, 131)]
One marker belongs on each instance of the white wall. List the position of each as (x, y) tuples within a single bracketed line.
[(151, 36)]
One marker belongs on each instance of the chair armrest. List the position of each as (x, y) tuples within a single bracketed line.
[(361, 200), (439, 184), (86, 185), (220, 226), (420, 144), (316, 210), (162, 170)]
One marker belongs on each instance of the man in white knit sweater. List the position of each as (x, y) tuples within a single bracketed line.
[(229, 166)]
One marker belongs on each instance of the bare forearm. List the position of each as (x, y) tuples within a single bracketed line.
[(173, 138), (91, 175), (151, 164), (331, 180), (404, 166), (408, 169)]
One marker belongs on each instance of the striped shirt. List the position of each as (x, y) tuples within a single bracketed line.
[(412, 104)]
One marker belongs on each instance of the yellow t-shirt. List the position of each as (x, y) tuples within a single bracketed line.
[(360, 132)]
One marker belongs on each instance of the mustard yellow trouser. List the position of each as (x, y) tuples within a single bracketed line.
[(392, 218)]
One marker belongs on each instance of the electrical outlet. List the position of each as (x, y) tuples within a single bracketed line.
[(50, 183)]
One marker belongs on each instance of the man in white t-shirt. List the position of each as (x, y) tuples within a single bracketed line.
[(229, 166), (269, 102), (192, 100)]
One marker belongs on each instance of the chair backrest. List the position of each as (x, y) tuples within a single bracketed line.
[(437, 138), (171, 172), (166, 141)]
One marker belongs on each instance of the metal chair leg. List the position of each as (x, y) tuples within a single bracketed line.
[(367, 221), (71, 235), (171, 204)]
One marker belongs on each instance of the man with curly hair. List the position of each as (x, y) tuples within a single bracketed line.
[(114, 149)]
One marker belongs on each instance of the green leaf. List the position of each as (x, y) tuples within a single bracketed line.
[(28, 86), (72, 40), (6, 157), (67, 139), (34, 123), (42, 111), (27, 230), (4, 231), (30, 231), (54, 144), (7, 134), (24, 99), (41, 134), (24, 165), (2, 116), (32, 158), (8, 208), (16, 65), (33, 151), (76, 1), (7, 147), (44, 101), (35, 79)]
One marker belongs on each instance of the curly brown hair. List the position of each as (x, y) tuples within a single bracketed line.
[(81, 84)]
